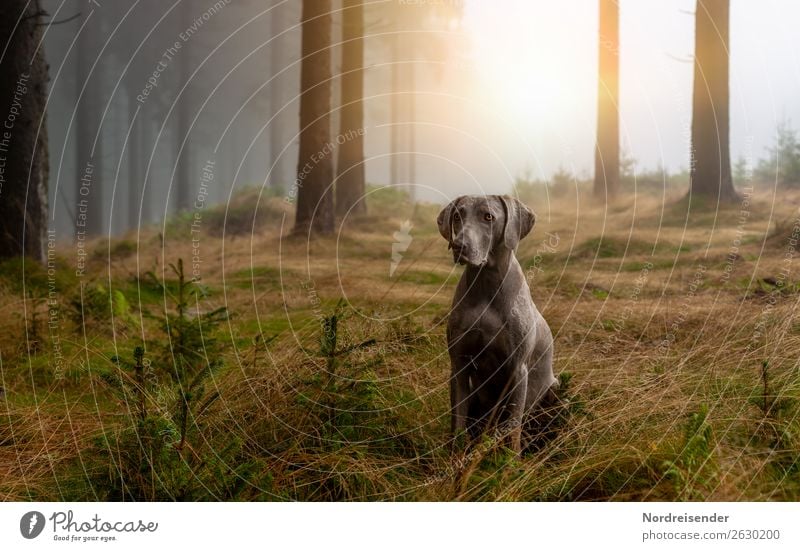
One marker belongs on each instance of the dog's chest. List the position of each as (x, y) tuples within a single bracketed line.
[(485, 330)]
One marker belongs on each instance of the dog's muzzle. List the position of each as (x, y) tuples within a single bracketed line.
[(463, 256)]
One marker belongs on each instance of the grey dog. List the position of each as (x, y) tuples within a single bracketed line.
[(501, 348)]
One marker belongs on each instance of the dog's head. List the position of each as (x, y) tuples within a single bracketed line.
[(476, 225)]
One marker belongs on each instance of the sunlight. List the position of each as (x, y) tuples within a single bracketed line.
[(532, 74), (536, 62), (528, 64)]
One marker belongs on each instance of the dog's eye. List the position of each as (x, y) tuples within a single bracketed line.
[(457, 216), (488, 217)]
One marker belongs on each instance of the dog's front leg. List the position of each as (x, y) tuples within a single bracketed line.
[(459, 392), (515, 406)]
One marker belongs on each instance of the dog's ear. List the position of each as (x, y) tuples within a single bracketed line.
[(518, 223), (445, 220)]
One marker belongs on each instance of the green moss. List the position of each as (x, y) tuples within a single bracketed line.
[(16, 273), (261, 277), (419, 277), (612, 247)]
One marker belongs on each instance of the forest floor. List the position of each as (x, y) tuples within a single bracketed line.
[(320, 372)]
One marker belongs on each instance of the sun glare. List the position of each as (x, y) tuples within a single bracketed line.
[(531, 73)]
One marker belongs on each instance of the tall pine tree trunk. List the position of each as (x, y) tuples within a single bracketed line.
[(606, 161), (710, 165), (395, 109), (183, 148), (350, 181), (410, 126), (24, 163), (89, 170), (277, 135), (315, 165), (135, 169)]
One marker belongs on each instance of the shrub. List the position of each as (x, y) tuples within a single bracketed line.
[(152, 454), (190, 354), (782, 165), (691, 471), (94, 305)]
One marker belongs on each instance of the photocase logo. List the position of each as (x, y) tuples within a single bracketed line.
[(402, 240), (31, 524)]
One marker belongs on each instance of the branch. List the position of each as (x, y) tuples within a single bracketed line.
[(60, 21), (35, 15), (687, 59)]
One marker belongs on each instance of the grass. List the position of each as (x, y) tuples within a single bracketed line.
[(681, 383)]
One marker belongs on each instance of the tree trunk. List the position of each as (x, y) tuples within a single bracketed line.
[(606, 160), (24, 163), (183, 149), (351, 179), (277, 137), (710, 164), (410, 125), (145, 129), (90, 83), (282, 93), (315, 165), (394, 161), (135, 187)]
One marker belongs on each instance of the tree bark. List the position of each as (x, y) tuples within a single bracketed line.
[(282, 92), (710, 164), (89, 170), (24, 162), (396, 139), (277, 135), (351, 178), (315, 164), (135, 187), (183, 149), (606, 160), (410, 125)]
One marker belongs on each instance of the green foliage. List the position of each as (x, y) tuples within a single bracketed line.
[(782, 165), (776, 427), (692, 471), (599, 293), (153, 455), (20, 273), (143, 462), (649, 180), (768, 286), (190, 354), (349, 413), (96, 305), (248, 212), (133, 389), (492, 467)]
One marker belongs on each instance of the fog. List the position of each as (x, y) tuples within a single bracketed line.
[(157, 92)]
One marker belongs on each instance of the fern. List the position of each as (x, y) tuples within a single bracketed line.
[(691, 471)]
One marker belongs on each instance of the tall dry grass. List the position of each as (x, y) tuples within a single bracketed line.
[(675, 337)]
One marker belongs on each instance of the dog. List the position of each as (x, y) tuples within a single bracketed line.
[(500, 346)]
